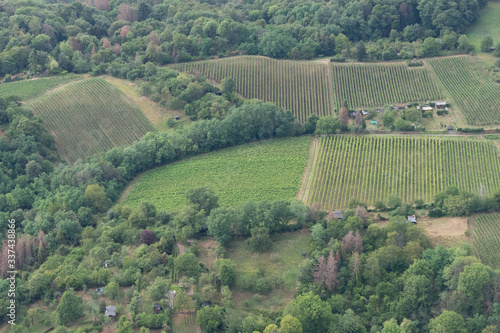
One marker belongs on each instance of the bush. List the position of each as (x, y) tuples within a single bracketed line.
[(260, 240), (262, 286), (338, 58), (470, 130)]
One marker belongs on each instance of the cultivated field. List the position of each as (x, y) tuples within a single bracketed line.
[(372, 168), (374, 85), (486, 238), (264, 170), (27, 89), (89, 117), (184, 323), (299, 86), (471, 87)]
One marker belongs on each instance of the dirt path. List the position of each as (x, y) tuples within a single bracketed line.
[(181, 247), (306, 175)]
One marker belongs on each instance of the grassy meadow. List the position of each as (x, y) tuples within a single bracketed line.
[(27, 89), (264, 170), (487, 25)]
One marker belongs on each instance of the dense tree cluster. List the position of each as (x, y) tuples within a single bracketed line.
[(118, 37)]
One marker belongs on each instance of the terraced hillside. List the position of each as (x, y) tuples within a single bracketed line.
[(370, 168), (471, 87), (89, 117)]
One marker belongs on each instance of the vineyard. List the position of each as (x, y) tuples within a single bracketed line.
[(264, 170), (89, 117), (372, 168), (374, 85), (486, 238), (301, 87), (471, 87), (27, 89)]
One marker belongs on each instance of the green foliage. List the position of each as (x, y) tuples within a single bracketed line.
[(260, 240), (188, 264), (290, 324), (327, 125), (314, 314), (226, 270), (70, 308), (210, 318), (486, 43), (448, 322), (28, 89)]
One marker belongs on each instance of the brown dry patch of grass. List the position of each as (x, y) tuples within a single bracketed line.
[(206, 252)]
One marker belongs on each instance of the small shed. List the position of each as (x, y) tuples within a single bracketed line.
[(427, 108), (99, 291), (412, 218), (110, 311), (373, 122), (352, 114), (337, 214), (364, 113), (440, 104), (190, 242), (206, 303), (105, 264), (177, 117), (156, 308)]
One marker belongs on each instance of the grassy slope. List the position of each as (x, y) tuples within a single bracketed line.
[(488, 24), (280, 263), (27, 89), (269, 169), (90, 117), (483, 230)]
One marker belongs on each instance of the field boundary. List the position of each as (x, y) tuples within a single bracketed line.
[(306, 176)]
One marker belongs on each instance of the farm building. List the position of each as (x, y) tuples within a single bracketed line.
[(156, 308), (105, 264), (110, 311), (440, 104), (426, 108), (337, 214), (412, 219), (364, 113)]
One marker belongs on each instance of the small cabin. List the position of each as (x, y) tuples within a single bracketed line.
[(337, 214), (206, 303), (364, 113), (110, 311), (156, 308), (427, 108), (105, 264), (378, 110), (177, 117), (440, 104), (412, 219)]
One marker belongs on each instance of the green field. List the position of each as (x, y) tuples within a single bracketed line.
[(27, 89), (471, 88), (279, 265), (374, 85), (487, 25), (299, 86), (264, 170), (89, 117), (184, 323), (486, 238), (370, 168)]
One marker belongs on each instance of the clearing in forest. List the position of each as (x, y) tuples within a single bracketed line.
[(263, 170), (90, 117), (484, 231), (471, 87), (370, 168)]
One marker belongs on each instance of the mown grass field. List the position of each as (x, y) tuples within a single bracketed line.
[(264, 170), (299, 86), (279, 265), (374, 85), (369, 168), (89, 117), (487, 25), (485, 234), (27, 89), (471, 87)]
